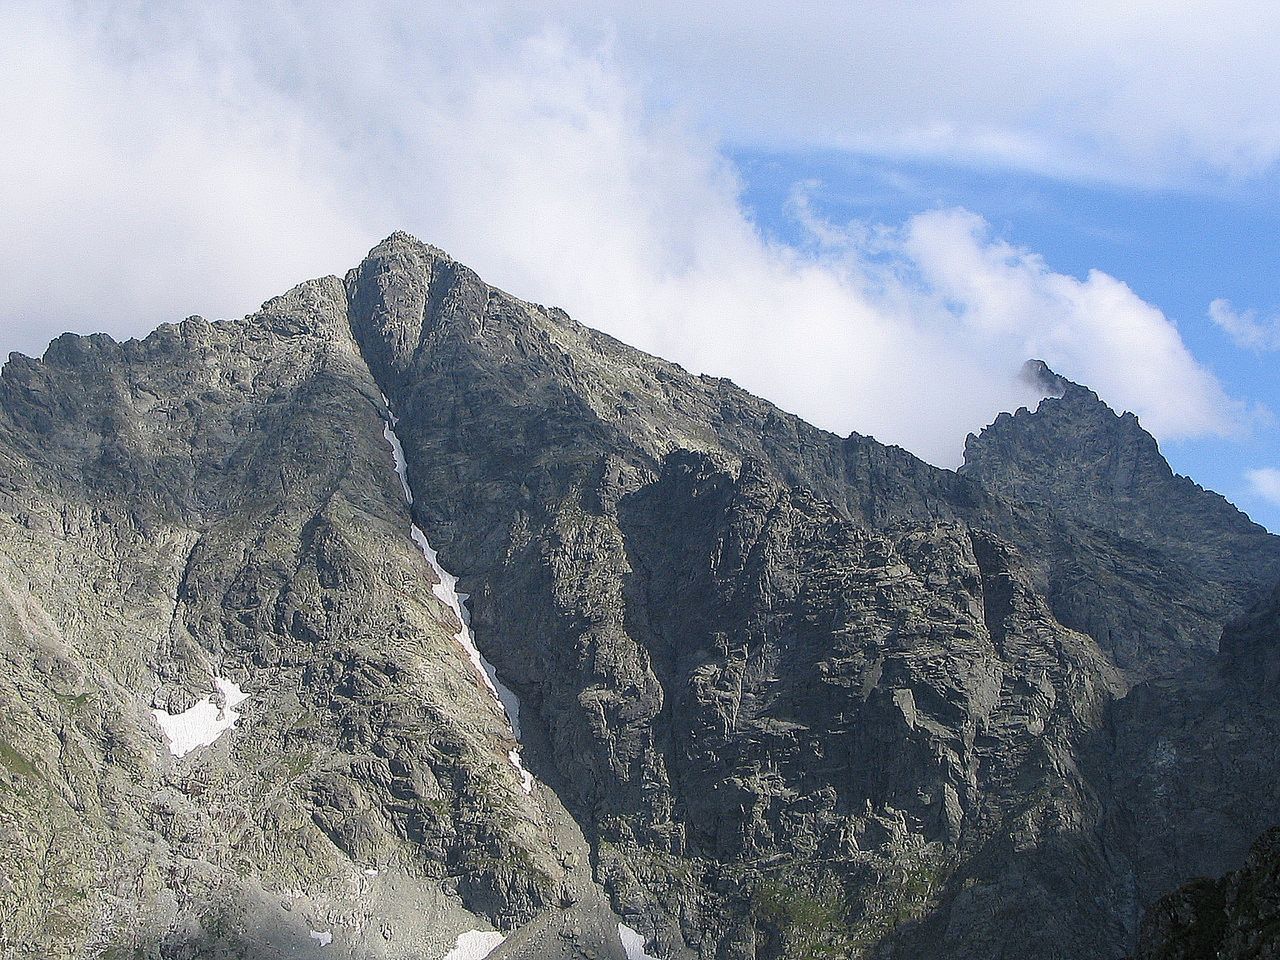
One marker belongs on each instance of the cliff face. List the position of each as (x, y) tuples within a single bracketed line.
[(782, 693), (219, 501), (1192, 760)]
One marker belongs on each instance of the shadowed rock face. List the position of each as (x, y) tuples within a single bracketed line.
[(1250, 646), (1232, 918), (1193, 761), (786, 694)]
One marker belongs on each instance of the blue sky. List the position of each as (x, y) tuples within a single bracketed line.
[(1178, 248), (870, 213)]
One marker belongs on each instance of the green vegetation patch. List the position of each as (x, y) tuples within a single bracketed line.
[(16, 763), (73, 702), (809, 925)]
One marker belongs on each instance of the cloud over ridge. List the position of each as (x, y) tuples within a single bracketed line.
[(233, 153), (1264, 482)]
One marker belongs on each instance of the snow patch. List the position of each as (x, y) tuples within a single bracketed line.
[(203, 723), (633, 943), (370, 872), (475, 945), (447, 592), (506, 696), (526, 778), (324, 938), (398, 452)]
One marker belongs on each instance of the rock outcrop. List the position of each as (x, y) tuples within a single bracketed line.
[(219, 501), (1192, 763)]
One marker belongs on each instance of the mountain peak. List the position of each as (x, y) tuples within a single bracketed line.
[(1099, 471), (1053, 386), (401, 241), (1072, 445), (402, 292), (744, 648)]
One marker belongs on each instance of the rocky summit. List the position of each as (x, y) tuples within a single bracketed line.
[(407, 619)]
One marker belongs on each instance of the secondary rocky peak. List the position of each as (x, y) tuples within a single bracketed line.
[(1038, 374), (1071, 436), (1102, 479), (315, 307), (1076, 455)]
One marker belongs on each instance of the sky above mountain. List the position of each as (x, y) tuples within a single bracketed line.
[(870, 213)]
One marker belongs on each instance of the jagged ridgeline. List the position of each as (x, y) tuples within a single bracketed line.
[(710, 682)]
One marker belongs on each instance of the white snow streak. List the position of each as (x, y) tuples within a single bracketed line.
[(323, 938), (633, 943), (447, 591), (397, 451), (203, 723), (474, 945)]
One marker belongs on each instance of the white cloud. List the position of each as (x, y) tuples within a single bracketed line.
[(137, 188), (1245, 327), (1131, 92), (184, 162), (1265, 483), (1095, 329)]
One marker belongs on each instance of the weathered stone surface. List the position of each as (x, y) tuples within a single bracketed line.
[(218, 500), (1192, 763)]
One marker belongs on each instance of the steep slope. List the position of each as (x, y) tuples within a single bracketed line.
[(1145, 561), (1193, 762), (528, 383), (564, 446)]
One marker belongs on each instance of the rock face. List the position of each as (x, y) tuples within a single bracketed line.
[(219, 501), (1233, 918), (784, 694), (1192, 760)]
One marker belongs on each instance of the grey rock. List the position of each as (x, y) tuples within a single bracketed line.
[(1147, 562), (1192, 763)]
